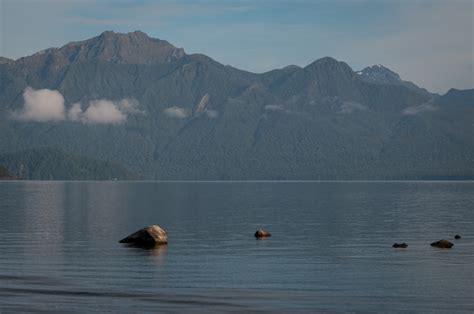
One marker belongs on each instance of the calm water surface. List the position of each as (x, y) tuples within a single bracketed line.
[(330, 250)]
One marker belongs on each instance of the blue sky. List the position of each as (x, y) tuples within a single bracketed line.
[(429, 42)]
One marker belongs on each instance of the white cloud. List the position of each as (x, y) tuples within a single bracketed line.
[(176, 112), (46, 105), (41, 105), (99, 112), (351, 106), (129, 105), (104, 111), (418, 109), (212, 113), (75, 113), (274, 108), (278, 108)]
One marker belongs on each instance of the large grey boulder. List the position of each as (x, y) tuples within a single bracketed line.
[(148, 236), (442, 244)]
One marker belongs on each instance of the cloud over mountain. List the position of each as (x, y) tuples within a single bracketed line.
[(41, 105), (176, 112), (47, 105), (104, 111), (205, 120)]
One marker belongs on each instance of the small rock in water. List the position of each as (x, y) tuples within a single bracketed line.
[(148, 236), (400, 245), (457, 237), (442, 244), (262, 234)]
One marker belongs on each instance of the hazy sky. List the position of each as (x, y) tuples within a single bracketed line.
[(429, 42)]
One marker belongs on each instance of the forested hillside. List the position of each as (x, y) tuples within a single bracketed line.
[(129, 106), (51, 164)]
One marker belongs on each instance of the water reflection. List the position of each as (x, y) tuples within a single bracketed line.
[(43, 206), (330, 241), (156, 252)]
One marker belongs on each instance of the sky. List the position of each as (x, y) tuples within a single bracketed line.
[(429, 42)]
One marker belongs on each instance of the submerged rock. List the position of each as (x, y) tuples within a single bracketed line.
[(400, 245), (457, 237), (148, 236), (262, 234), (442, 244)]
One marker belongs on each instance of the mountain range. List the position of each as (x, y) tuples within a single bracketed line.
[(128, 106)]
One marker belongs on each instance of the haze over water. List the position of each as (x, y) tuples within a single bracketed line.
[(330, 249)]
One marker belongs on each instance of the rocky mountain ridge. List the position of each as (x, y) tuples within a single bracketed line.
[(198, 119)]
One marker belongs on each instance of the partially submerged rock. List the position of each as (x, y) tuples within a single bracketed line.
[(442, 244), (262, 234), (400, 245), (457, 237), (148, 236)]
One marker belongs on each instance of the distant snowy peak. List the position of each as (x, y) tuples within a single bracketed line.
[(380, 74)]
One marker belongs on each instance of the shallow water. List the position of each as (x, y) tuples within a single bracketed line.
[(330, 250)]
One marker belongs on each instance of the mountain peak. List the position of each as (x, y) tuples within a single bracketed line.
[(379, 73), (122, 48), (111, 34), (328, 62), (464, 96), (323, 60), (331, 67), (127, 48)]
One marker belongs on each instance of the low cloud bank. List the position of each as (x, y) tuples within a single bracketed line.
[(104, 111), (183, 113), (177, 112), (212, 113), (41, 105), (428, 106), (274, 108), (351, 106), (278, 108), (46, 105)]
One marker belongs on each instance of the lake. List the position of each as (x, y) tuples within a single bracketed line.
[(330, 250)]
